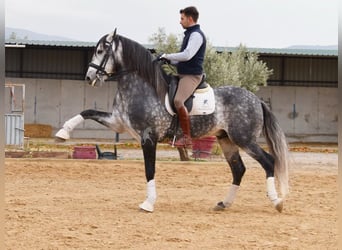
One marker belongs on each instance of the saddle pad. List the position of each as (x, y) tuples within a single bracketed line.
[(203, 102)]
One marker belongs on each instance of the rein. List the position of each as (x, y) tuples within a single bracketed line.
[(100, 69), (118, 75)]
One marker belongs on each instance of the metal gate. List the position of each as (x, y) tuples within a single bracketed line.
[(14, 127), (14, 116)]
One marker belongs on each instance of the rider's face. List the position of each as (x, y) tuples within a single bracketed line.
[(185, 21)]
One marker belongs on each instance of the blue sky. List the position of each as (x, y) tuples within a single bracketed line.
[(254, 23)]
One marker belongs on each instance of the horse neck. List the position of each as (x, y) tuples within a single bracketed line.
[(139, 60), (132, 85)]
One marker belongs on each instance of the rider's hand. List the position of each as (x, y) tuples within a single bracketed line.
[(162, 57)]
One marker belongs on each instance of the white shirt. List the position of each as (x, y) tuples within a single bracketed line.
[(194, 44)]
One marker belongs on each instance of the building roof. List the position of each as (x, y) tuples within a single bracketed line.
[(24, 42), (286, 51), (268, 51)]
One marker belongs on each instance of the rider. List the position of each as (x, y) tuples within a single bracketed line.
[(189, 67)]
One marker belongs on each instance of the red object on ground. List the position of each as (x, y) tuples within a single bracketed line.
[(201, 148), (84, 152)]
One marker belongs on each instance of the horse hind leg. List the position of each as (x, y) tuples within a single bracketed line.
[(267, 162), (231, 153)]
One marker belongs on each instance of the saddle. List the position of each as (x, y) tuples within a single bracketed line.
[(201, 102), (172, 89)]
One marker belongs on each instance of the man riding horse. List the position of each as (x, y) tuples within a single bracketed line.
[(189, 66)]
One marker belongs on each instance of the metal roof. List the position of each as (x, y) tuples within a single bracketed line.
[(49, 43), (268, 51), (285, 51)]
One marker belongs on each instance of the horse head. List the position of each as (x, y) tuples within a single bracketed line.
[(116, 56), (105, 59)]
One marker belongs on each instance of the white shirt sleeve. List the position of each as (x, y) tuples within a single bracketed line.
[(194, 44)]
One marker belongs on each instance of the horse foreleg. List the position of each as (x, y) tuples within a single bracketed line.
[(231, 153), (69, 125), (105, 118), (149, 147)]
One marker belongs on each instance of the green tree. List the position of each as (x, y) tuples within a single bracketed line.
[(240, 67), (163, 42), (243, 68)]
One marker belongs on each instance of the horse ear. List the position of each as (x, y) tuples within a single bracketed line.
[(112, 35)]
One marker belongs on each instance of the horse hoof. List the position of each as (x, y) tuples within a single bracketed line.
[(62, 134), (219, 207), (58, 139), (279, 205), (146, 206)]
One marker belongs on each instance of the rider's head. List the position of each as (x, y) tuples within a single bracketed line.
[(189, 16)]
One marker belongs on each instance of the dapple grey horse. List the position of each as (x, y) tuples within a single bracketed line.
[(238, 119)]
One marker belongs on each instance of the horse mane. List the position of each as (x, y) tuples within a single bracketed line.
[(138, 59)]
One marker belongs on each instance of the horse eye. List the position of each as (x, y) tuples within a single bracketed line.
[(99, 52)]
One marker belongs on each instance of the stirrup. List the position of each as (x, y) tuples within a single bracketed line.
[(185, 142)]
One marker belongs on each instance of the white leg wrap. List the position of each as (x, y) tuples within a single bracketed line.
[(228, 201), (68, 126), (148, 204), (272, 192), (151, 191)]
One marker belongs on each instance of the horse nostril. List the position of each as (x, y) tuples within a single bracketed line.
[(87, 78)]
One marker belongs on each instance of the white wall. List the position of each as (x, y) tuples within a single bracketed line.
[(304, 113), (53, 102)]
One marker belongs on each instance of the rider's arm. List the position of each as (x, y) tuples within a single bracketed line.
[(195, 42)]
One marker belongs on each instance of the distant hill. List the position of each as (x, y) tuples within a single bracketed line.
[(313, 47), (29, 35)]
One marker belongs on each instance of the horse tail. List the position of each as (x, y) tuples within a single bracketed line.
[(276, 142)]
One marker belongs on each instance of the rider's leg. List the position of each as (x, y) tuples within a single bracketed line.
[(187, 85)]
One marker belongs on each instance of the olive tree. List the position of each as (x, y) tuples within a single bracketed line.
[(240, 67)]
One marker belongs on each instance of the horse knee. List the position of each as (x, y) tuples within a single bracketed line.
[(238, 168), (178, 103)]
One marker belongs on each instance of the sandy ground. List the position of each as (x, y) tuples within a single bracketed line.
[(93, 204)]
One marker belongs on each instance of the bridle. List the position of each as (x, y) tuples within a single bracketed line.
[(101, 69)]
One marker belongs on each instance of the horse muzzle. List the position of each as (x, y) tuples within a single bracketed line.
[(92, 77), (91, 81)]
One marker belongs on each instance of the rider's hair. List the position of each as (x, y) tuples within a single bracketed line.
[(190, 11)]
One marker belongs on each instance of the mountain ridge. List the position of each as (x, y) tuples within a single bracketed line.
[(30, 35)]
